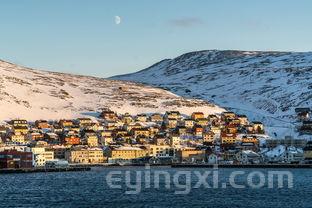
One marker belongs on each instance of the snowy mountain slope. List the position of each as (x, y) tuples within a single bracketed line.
[(32, 94), (266, 86)]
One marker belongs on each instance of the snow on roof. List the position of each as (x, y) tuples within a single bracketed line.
[(127, 148), (276, 152)]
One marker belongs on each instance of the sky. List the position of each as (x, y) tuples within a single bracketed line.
[(82, 37)]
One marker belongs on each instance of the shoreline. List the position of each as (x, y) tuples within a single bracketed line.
[(88, 167), (42, 170)]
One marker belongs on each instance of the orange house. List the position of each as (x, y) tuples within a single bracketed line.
[(72, 140), (197, 115), (250, 139)]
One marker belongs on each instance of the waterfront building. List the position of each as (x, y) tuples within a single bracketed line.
[(15, 159)]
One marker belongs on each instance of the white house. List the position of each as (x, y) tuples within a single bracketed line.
[(248, 157)]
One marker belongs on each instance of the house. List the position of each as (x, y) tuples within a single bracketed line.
[(92, 140), (294, 155), (159, 150), (41, 155), (202, 122), (71, 140), (42, 124), (197, 115), (225, 116), (175, 140), (191, 155), (127, 118), (57, 163), (231, 129), (15, 159), (275, 155), (23, 130), (188, 123), (19, 123), (83, 122), (157, 118), (80, 154), (216, 130), (51, 137), (181, 130), (209, 137), (108, 115), (198, 131), (228, 138), (243, 120), (106, 140), (141, 117), (59, 151), (212, 159), (18, 138), (65, 123), (160, 140), (213, 119), (303, 114), (125, 153), (171, 123), (258, 127), (250, 139), (248, 157), (140, 132), (35, 136), (173, 115)]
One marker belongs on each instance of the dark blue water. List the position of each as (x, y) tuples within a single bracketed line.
[(90, 189)]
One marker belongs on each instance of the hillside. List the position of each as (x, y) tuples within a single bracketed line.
[(33, 94), (266, 86)]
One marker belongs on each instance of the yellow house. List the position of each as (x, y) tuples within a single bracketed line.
[(127, 118), (258, 127), (106, 140), (228, 115), (172, 123), (20, 130), (227, 138), (84, 121), (156, 117), (173, 115), (159, 150), (126, 153), (18, 138), (209, 137), (92, 140), (197, 115), (85, 155), (65, 123), (140, 132), (141, 117), (189, 123), (202, 121)]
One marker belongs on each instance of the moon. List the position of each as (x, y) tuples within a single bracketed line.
[(117, 20)]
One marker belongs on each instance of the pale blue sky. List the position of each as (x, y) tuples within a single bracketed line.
[(80, 36)]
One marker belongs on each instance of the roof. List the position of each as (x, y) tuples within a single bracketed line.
[(127, 148)]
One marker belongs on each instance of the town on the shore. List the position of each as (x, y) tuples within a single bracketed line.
[(170, 138)]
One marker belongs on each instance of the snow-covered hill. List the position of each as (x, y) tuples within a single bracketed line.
[(266, 86), (33, 94)]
